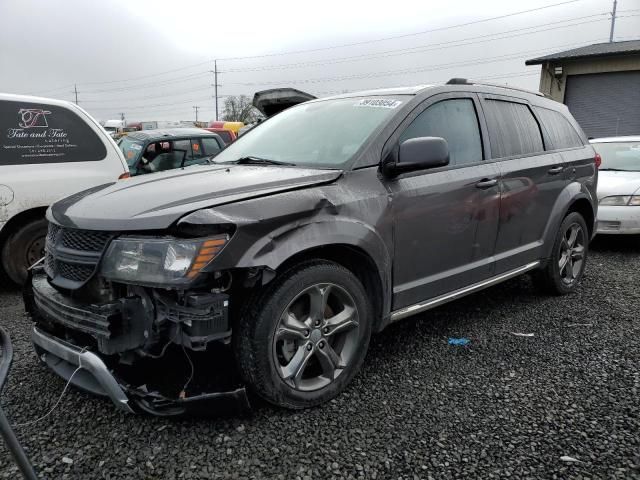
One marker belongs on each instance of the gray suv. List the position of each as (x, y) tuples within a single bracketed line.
[(271, 267)]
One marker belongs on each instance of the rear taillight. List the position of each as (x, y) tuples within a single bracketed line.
[(124, 175), (598, 160)]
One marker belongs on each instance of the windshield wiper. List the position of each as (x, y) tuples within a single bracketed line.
[(251, 160)]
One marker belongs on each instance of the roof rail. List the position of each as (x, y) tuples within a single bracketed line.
[(464, 81)]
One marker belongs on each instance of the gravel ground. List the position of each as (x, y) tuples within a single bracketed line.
[(505, 406)]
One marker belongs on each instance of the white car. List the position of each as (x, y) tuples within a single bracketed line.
[(49, 149), (618, 184)]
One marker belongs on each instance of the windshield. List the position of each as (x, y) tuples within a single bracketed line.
[(323, 134), (623, 156), (131, 150)]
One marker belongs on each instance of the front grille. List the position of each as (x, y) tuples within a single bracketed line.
[(77, 273), (52, 234), (72, 255), (85, 240)]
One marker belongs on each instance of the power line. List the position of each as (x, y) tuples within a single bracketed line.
[(141, 107), (485, 60), (409, 50), (394, 37), (393, 72), (419, 48), (182, 111), (186, 67), (149, 75), (42, 92), (152, 84), (150, 97)]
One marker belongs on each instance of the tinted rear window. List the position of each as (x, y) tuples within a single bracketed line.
[(40, 133), (226, 136), (561, 133), (211, 146), (513, 130)]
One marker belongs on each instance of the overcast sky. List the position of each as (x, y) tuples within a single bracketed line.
[(152, 59)]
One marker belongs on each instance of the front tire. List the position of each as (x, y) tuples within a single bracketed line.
[(23, 248), (300, 341), (565, 268)]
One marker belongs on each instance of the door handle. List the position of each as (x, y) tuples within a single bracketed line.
[(555, 170), (487, 183)]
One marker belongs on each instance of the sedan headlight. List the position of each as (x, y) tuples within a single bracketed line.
[(621, 200), (159, 261)]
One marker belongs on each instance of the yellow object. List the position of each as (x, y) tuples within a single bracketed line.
[(233, 126)]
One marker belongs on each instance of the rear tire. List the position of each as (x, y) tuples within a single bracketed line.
[(299, 342), (565, 267), (23, 248)]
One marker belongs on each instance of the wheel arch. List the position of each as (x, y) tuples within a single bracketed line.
[(19, 219), (15, 222), (574, 198), (357, 261), (584, 208)]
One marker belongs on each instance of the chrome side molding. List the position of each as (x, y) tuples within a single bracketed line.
[(447, 297)]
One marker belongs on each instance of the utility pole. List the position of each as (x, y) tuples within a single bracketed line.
[(613, 20), (122, 118), (215, 84), (196, 108), (75, 90)]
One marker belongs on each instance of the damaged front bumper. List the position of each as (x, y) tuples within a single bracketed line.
[(91, 370), (95, 377)]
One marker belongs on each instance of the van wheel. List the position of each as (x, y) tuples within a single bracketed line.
[(23, 248), (300, 341), (565, 268)]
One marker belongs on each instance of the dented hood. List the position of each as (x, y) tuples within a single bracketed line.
[(156, 201)]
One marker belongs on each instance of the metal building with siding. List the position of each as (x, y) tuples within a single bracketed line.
[(600, 84)]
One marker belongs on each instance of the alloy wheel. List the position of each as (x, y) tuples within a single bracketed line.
[(572, 250), (316, 337)]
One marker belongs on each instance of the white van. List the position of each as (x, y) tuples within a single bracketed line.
[(49, 149), (114, 127)]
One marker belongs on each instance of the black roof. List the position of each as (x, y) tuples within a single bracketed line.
[(590, 51), (170, 132)]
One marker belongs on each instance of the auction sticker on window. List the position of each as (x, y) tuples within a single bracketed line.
[(379, 103)]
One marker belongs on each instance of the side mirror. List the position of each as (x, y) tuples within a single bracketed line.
[(419, 154)]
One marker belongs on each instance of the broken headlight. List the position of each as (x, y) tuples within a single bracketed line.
[(159, 261)]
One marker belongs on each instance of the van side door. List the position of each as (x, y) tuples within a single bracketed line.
[(531, 179), (445, 218)]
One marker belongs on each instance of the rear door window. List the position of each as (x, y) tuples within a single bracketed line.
[(196, 148), (211, 146), (561, 133), (456, 121), (513, 130), (34, 133), (185, 147)]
